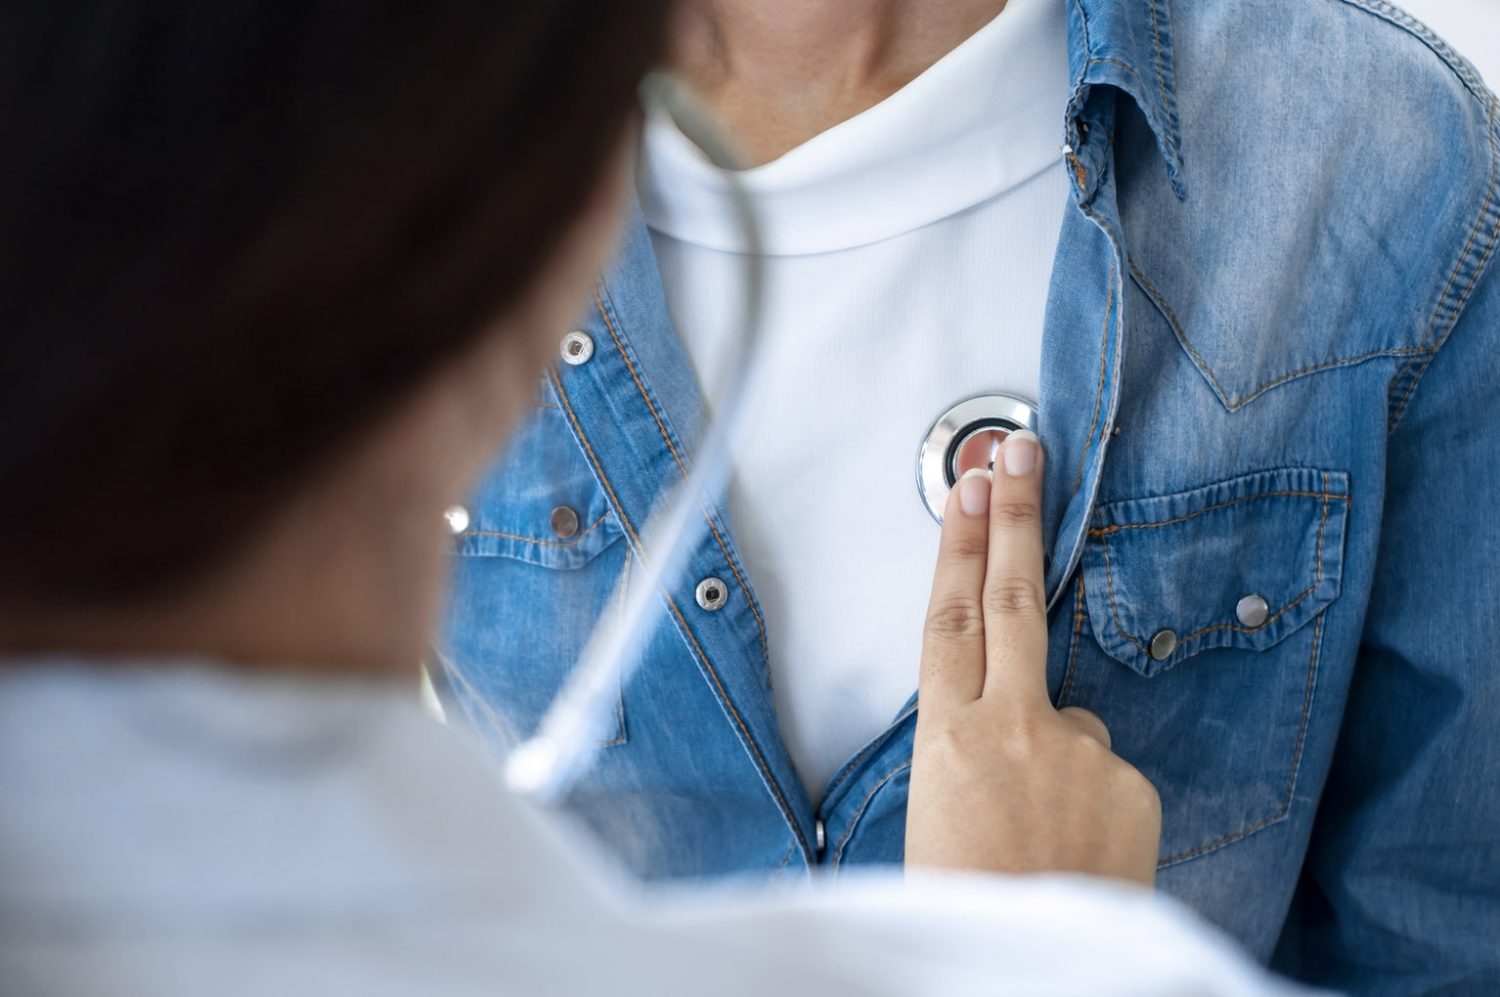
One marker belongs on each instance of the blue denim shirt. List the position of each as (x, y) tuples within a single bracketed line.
[(1271, 366)]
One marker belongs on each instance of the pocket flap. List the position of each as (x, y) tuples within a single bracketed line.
[(542, 480), (1240, 563)]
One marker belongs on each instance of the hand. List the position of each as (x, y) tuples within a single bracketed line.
[(1000, 780)]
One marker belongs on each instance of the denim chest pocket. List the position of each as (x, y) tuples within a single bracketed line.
[(1204, 609), (541, 504), (534, 570)]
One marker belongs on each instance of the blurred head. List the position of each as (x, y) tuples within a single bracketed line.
[(275, 280)]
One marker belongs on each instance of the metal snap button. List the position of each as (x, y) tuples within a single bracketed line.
[(712, 594), (1163, 644), (457, 519), (966, 436), (821, 834), (564, 522), (1252, 611), (577, 348)]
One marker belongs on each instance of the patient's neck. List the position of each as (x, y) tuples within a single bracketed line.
[(778, 72)]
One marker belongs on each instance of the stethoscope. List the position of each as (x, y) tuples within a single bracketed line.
[(546, 764), (967, 436)]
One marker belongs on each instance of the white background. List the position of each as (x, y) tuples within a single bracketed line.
[(1470, 26)]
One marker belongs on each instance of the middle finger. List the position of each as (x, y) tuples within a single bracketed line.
[(1015, 609)]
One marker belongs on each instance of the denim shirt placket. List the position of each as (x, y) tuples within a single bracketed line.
[(635, 411), (1083, 350), (634, 407), (1108, 46), (1082, 346)]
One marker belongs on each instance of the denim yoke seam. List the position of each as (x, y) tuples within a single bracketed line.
[(1335, 363), (1232, 402), (759, 758), (669, 439), (1413, 371), (573, 542), (859, 813), (1324, 495), (1289, 789)]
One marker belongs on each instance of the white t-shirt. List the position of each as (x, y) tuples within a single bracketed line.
[(175, 832), (909, 253)]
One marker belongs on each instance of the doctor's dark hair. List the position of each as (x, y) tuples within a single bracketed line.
[(234, 233)]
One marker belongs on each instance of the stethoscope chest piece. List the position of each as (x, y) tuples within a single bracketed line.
[(967, 436)]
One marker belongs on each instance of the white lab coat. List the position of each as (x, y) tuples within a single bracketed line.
[(175, 830)]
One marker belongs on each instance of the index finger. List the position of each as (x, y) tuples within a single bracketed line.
[(1015, 602), (953, 665)]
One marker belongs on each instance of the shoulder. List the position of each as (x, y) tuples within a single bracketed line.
[(1341, 169), (1345, 35), (1356, 92), (1357, 83)]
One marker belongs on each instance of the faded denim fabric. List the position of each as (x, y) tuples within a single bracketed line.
[(1271, 367)]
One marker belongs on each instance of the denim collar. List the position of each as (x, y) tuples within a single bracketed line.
[(1127, 44)]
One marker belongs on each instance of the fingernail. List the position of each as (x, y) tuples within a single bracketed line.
[(974, 492), (1019, 453)]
